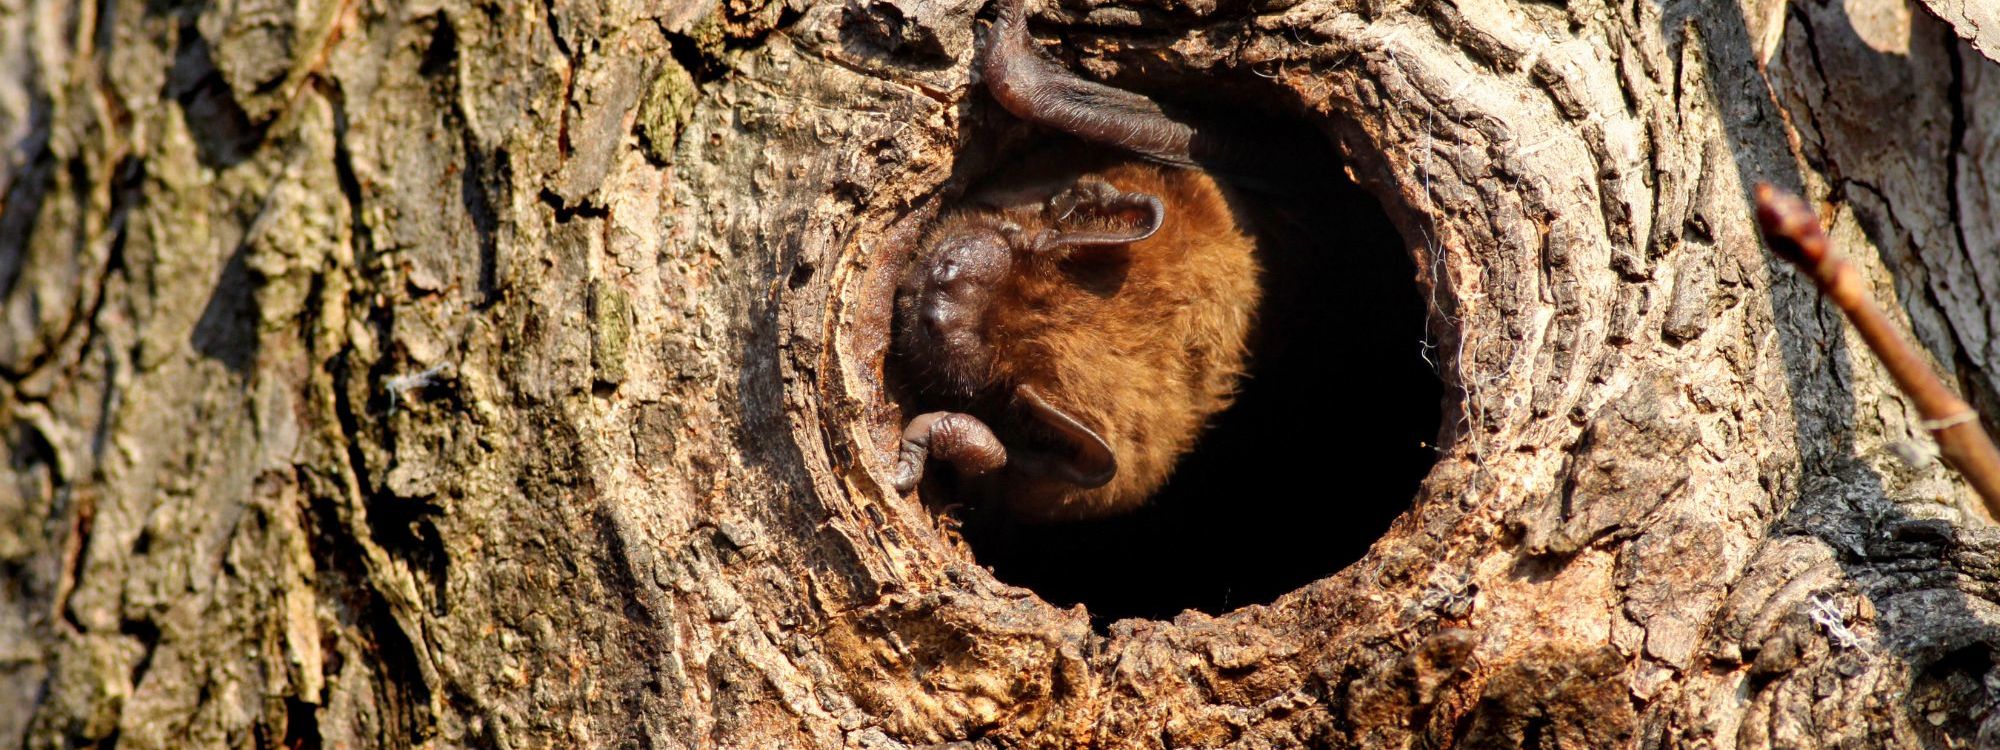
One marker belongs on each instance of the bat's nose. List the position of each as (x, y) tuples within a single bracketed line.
[(938, 319)]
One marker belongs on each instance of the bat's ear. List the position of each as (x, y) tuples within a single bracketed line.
[(1093, 213), (1090, 462)]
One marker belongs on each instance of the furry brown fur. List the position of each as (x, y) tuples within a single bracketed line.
[(1140, 343), (1144, 362)]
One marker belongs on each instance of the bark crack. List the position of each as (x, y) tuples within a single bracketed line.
[(572, 60), (1825, 92), (125, 179), (1955, 149)]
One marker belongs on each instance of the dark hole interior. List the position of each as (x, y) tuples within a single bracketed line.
[(1325, 445)]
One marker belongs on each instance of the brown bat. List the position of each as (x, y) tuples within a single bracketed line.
[(1082, 320)]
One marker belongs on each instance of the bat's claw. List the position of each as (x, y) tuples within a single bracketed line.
[(909, 467), (961, 439)]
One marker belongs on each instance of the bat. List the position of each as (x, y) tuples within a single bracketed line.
[(1076, 322)]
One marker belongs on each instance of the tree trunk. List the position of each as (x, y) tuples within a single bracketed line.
[(513, 375)]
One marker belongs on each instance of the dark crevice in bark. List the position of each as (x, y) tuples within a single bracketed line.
[(117, 115), (441, 53), (1955, 149), (408, 528), (301, 725), (402, 694), (618, 568), (574, 58), (223, 133), (1816, 154), (1949, 699), (342, 579), (787, 17), (350, 183), (707, 62), (476, 187), (553, 19), (76, 553), (689, 55), (566, 214), (476, 180), (126, 194), (147, 635), (403, 526), (338, 560), (403, 689), (33, 460), (405, 686)]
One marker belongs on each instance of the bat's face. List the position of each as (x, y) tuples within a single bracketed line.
[(944, 300)]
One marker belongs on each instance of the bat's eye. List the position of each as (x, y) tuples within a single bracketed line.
[(954, 273), (947, 272), (966, 263)]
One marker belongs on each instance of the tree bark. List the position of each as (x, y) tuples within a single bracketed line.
[(486, 374)]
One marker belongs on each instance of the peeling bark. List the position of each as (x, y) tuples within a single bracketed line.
[(490, 375)]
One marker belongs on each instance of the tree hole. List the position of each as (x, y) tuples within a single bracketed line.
[(1330, 433), (1324, 446)]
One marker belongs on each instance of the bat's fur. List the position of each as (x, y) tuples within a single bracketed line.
[(1141, 343)]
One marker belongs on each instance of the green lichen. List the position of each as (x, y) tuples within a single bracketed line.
[(611, 331), (668, 104)]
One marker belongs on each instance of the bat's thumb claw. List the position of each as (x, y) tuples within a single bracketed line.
[(909, 470)]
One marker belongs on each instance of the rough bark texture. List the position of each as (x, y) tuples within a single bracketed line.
[(488, 374)]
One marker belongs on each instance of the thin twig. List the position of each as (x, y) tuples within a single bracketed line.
[(1794, 233)]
